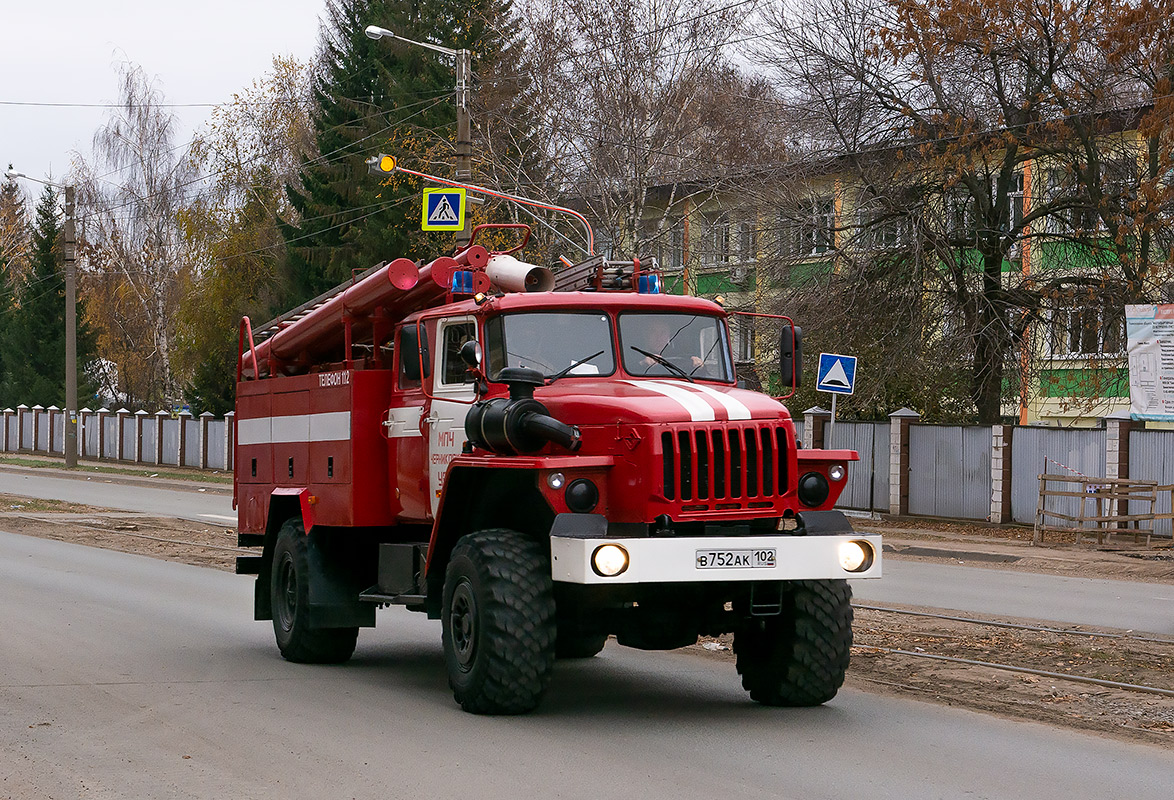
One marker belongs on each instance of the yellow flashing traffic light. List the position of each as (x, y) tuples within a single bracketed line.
[(382, 165)]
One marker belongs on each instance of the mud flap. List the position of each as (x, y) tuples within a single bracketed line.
[(334, 590), (823, 523)]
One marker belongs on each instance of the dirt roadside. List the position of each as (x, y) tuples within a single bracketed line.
[(1127, 715)]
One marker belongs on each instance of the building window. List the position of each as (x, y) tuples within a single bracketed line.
[(880, 231), (1087, 331), (823, 225), (744, 339), (1016, 198), (716, 251), (960, 215), (747, 241), (666, 243)]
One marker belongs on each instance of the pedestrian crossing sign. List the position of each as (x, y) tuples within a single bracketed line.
[(444, 210)]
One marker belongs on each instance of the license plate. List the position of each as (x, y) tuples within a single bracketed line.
[(735, 559)]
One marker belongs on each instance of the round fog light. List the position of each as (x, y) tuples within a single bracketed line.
[(581, 496), (609, 560), (555, 480), (813, 489), (837, 472), (855, 556)]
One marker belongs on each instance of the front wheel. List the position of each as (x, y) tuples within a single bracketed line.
[(799, 657), (289, 592), (498, 618)]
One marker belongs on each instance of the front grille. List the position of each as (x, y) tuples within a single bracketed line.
[(732, 463)]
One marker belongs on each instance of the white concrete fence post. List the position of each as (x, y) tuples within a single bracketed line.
[(184, 416), (1001, 473), (205, 418), (159, 417), (21, 410), (83, 419), (120, 451), (899, 422), (102, 414), (53, 411), (229, 441), (140, 415), (815, 420), (37, 409)]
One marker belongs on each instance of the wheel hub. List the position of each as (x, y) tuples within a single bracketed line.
[(287, 594), (462, 623)]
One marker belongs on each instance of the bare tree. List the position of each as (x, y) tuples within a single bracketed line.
[(132, 197), (960, 138), (642, 114)]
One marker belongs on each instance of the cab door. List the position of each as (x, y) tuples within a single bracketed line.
[(452, 395)]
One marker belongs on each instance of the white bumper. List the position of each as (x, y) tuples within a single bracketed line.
[(676, 559)]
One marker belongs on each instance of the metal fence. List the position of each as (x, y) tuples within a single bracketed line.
[(200, 442), (1065, 451), (1151, 458), (950, 471), (868, 479)]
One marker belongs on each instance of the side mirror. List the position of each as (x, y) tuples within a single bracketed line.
[(413, 341), (791, 356), (471, 353)]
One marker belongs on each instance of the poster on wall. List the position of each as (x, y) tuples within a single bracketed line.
[(1150, 329)]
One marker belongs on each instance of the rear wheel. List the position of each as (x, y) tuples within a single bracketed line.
[(498, 622), (799, 657), (289, 587)]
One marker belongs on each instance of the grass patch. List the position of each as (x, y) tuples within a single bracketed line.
[(16, 503), (140, 472)]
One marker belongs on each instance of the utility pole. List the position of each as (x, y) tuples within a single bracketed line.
[(464, 137), (464, 148), (70, 330)]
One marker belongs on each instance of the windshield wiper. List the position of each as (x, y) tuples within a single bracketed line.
[(664, 362), (563, 373)]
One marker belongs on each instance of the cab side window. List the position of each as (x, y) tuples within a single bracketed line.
[(454, 370)]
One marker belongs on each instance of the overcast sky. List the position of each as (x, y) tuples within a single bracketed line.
[(68, 51)]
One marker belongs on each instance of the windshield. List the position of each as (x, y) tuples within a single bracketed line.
[(551, 342), (675, 345)]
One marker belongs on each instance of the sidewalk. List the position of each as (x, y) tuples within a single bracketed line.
[(157, 475), (1010, 547)]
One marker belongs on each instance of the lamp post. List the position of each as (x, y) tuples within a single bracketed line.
[(70, 254), (464, 127)]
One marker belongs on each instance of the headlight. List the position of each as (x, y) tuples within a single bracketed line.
[(837, 472), (609, 560), (555, 480), (855, 556)]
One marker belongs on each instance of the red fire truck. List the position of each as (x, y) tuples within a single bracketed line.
[(540, 461)]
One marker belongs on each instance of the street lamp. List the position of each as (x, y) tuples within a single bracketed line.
[(464, 132), (70, 318)]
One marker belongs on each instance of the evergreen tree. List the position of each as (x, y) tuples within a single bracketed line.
[(32, 342), (372, 96), (13, 245)]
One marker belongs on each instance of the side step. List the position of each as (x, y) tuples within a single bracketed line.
[(248, 565), (373, 595)]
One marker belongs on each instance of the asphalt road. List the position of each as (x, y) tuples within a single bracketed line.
[(124, 676)]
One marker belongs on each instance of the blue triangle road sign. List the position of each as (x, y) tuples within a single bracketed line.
[(837, 373)]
